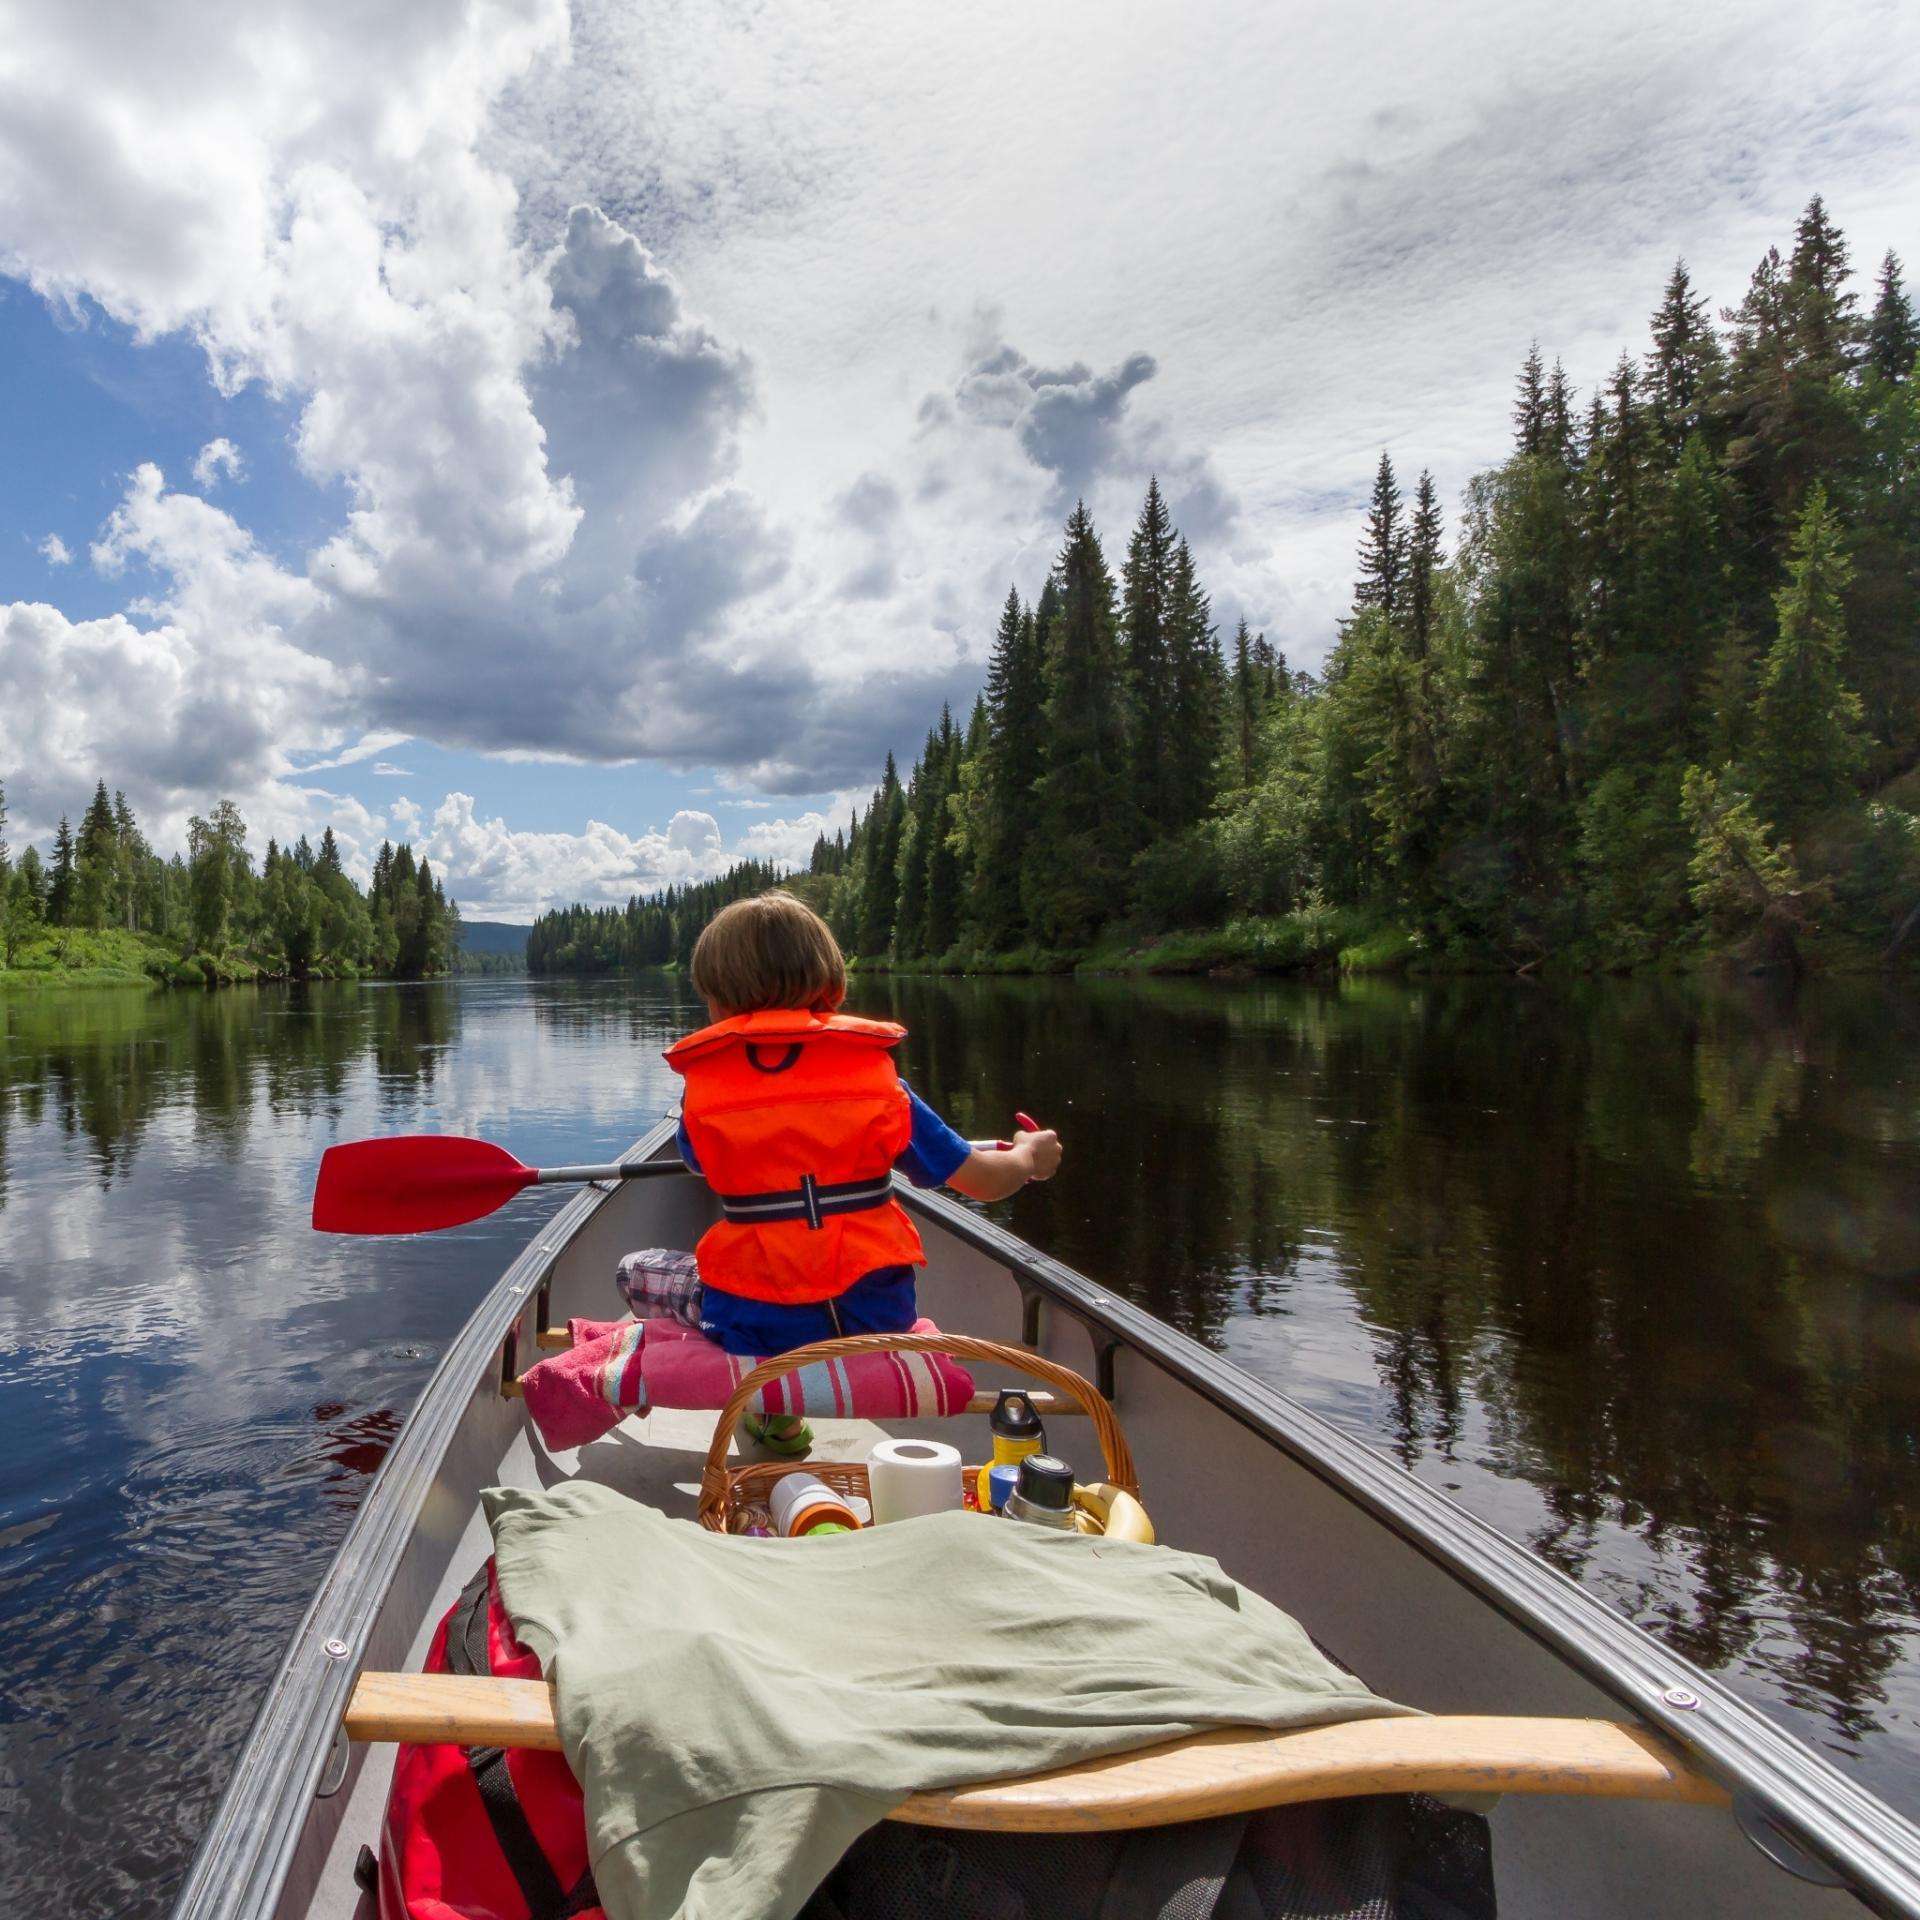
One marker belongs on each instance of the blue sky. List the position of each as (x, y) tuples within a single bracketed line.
[(628, 418)]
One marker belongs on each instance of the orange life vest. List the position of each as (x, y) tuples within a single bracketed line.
[(796, 1119)]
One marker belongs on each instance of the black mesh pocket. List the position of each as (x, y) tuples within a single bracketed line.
[(1399, 1857)]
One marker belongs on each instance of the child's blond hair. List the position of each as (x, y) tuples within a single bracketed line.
[(770, 951)]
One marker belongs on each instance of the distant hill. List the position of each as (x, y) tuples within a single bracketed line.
[(493, 936)]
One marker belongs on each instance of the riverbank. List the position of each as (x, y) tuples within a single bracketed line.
[(63, 957)]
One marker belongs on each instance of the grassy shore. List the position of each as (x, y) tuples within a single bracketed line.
[(62, 957)]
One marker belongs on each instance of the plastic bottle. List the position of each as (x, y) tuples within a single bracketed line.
[(803, 1504), (1017, 1432), (1045, 1493)]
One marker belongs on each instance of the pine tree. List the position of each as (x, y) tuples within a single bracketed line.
[(1072, 875), (1686, 368), (1383, 547), (1893, 334), (1806, 743), (60, 887), (1530, 426), (1149, 647)]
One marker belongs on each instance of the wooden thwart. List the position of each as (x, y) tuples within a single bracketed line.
[(1235, 1771)]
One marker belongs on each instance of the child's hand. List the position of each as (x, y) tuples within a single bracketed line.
[(1041, 1150)]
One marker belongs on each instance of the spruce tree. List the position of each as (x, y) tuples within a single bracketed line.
[(916, 841), (1248, 703), (1821, 309), (9, 917), (1190, 723), (1893, 335), (1806, 722), (881, 892), (1424, 560), (95, 863), (1149, 646), (1686, 368), (1530, 427), (130, 854), (1075, 853), (944, 877), (1383, 546), (1561, 439), (1016, 757), (60, 884)]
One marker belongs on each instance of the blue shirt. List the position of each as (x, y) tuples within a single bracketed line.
[(879, 1302)]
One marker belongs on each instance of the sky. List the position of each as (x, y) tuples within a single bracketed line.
[(584, 440)]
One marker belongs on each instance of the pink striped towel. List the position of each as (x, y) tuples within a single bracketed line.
[(627, 1366)]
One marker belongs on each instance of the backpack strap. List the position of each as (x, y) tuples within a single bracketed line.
[(468, 1652)]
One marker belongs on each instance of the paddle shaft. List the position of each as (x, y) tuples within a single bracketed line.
[(614, 1170)]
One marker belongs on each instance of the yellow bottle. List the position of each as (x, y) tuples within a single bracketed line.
[(1017, 1432)]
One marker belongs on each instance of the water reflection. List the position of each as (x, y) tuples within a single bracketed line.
[(1627, 1267), (1632, 1263)]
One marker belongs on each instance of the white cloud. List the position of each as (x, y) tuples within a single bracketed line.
[(218, 457), (694, 398), (389, 771), (369, 744), (55, 551), (501, 872)]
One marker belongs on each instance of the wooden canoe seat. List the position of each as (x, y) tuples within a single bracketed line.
[(1234, 1771)]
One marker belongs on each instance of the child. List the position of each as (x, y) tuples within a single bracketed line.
[(795, 1116)]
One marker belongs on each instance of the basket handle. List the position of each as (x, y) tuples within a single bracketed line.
[(956, 1346)]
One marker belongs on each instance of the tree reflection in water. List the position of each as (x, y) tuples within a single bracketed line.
[(1634, 1259), (1626, 1265)]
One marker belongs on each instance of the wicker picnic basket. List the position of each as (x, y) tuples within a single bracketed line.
[(735, 1498)]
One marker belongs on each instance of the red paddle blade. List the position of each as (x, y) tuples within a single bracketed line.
[(413, 1183)]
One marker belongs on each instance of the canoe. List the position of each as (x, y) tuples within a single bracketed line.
[(1634, 1784)]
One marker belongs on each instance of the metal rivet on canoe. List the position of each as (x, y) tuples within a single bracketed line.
[(1683, 1697), (335, 1649)]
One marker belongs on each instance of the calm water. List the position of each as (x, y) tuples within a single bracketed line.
[(1631, 1269)]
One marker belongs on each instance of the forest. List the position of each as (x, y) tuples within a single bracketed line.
[(107, 904), (1654, 696)]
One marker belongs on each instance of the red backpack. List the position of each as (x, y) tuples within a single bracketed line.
[(478, 1833)]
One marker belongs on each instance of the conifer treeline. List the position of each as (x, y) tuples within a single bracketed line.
[(1664, 690), (652, 932), (298, 914)]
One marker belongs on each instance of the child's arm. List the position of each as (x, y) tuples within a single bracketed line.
[(991, 1173)]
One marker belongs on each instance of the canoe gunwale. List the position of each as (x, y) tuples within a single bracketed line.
[(243, 1859), (239, 1870), (1773, 1774)]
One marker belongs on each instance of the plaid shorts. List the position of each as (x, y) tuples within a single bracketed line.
[(660, 1283)]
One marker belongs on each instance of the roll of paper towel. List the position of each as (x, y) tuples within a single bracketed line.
[(911, 1477)]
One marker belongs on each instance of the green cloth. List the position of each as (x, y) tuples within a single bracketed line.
[(739, 1711)]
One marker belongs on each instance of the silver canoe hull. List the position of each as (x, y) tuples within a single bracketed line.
[(1431, 1605)]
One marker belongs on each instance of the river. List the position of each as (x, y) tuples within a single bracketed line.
[(1628, 1267)]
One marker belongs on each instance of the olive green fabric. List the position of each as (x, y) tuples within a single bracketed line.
[(739, 1711)]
